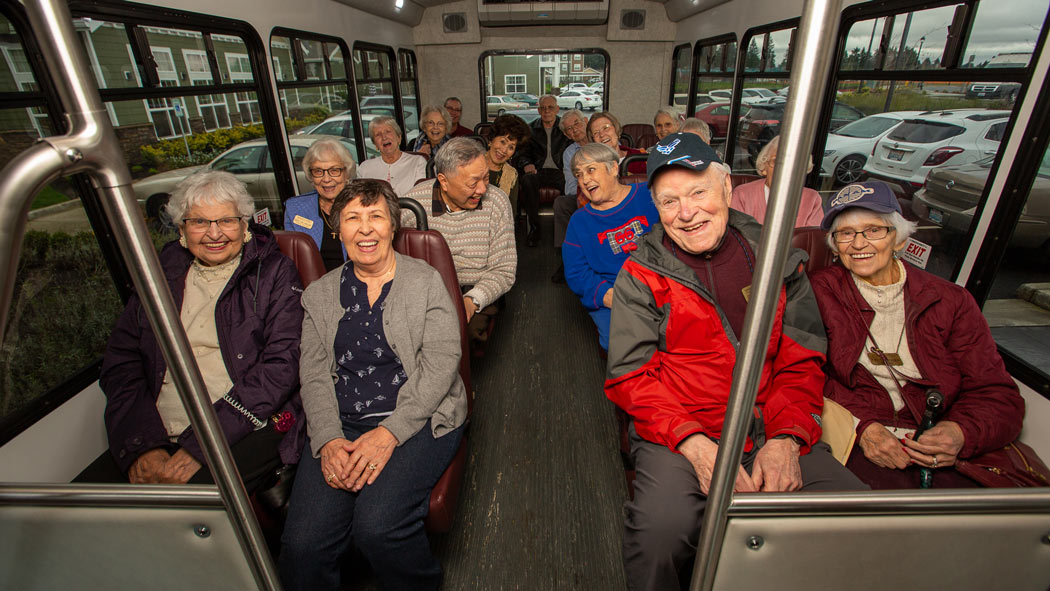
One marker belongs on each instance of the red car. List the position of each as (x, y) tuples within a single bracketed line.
[(716, 116)]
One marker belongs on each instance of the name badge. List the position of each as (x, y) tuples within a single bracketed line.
[(304, 222), (746, 291)]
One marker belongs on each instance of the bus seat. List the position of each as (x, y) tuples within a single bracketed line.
[(303, 251), (637, 130), (431, 174), (483, 129), (480, 138), (548, 195), (633, 164), (632, 179), (431, 247), (740, 179), (646, 141), (626, 140), (813, 240)]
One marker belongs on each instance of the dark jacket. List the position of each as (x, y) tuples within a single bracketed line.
[(258, 319), (951, 345), (672, 349), (536, 148)]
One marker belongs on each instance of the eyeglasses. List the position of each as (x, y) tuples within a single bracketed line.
[(334, 172), (872, 233), (577, 125), (548, 107), (603, 128), (454, 109), (433, 124), (202, 224)]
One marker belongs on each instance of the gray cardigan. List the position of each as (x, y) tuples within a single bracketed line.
[(422, 327)]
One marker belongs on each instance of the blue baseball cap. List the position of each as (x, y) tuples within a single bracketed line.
[(680, 149), (874, 195)]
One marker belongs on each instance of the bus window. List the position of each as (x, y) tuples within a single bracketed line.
[(933, 137), (407, 74), (680, 65), (375, 78), (515, 81), (313, 85), (715, 64), (766, 67)]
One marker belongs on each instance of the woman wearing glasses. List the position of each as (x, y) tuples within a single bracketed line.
[(895, 332), (605, 128), (238, 299), (329, 166), (435, 124)]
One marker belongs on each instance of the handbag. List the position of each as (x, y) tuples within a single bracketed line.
[(1016, 465)]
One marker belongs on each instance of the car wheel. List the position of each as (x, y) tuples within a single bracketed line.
[(500, 112), (850, 169)]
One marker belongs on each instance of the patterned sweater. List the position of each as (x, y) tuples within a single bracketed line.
[(481, 240)]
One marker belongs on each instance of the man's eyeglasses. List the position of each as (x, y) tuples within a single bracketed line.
[(335, 172), (872, 233), (202, 224)]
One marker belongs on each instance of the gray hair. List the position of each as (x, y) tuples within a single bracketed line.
[(768, 152), (329, 148), (545, 97), (370, 191), (698, 127), (571, 113), (457, 152), (670, 112), (213, 187), (440, 110), (453, 98), (598, 153), (384, 120), (903, 228)]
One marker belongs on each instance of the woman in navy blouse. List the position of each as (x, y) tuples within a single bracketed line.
[(385, 405)]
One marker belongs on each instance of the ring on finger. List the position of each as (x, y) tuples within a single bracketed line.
[(934, 461), (373, 467), (331, 477)]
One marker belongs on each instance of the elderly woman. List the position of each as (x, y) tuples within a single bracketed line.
[(329, 166), (896, 331), (605, 128), (392, 165), (434, 123), (384, 405), (508, 132), (751, 198), (666, 122), (698, 127), (238, 298), (603, 233)]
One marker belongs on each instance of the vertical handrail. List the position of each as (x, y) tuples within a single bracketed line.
[(812, 57), (91, 146)]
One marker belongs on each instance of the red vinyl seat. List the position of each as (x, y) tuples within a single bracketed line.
[(548, 195), (303, 251), (740, 179), (431, 247), (813, 240), (637, 131)]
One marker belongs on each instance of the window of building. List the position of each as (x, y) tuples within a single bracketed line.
[(516, 80), (515, 83)]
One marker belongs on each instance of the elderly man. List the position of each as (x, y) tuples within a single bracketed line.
[(678, 306), (574, 126), (475, 219), (454, 106), (542, 162)]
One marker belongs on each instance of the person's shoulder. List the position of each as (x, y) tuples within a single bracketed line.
[(320, 289), (497, 200), (422, 192), (300, 200), (749, 188), (368, 165)]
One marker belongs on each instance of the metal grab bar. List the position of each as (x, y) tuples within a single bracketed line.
[(896, 502), (814, 46), (92, 147)]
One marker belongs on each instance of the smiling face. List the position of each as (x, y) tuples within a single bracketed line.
[(575, 129), (332, 179), (367, 232), (464, 188), (455, 110), (693, 206), (215, 243), (387, 141), (597, 182), (548, 108), (501, 149), (871, 260), (604, 132), (664, 125), (434, 126)]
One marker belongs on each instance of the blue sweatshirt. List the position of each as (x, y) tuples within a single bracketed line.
[(597, 244)]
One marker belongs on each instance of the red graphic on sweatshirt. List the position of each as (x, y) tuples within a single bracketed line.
[(622, 239)]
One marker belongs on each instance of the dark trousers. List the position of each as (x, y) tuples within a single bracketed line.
[(662, 523), (530, 191), (879, 478), (255, 455), (564, 207), (384, 521)]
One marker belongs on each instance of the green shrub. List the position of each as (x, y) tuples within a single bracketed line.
[(171, 154), (870, 101)]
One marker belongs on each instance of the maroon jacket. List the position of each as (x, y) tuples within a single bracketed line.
[(259, 320), (951, 345)]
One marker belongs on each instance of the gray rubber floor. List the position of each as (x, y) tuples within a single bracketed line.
[(541, 506)]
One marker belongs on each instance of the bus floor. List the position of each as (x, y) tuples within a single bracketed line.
[(541, 504)]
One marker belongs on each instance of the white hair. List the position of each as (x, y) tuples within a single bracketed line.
[(671, 113), (903, 228), (767, 153), (211, 186), (697, 126)]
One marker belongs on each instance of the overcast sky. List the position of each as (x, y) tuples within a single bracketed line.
[(1001, 26)]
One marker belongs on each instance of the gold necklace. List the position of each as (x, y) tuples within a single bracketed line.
[(324, 217)]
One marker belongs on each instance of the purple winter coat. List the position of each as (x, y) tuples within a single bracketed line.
[(259, 321)]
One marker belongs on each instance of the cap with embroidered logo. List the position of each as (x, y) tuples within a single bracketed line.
[(874, 195), (680, 149)]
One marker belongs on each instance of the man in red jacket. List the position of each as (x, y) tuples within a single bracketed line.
[(678, 306)]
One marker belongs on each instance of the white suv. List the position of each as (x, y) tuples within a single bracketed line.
[(921, 143)]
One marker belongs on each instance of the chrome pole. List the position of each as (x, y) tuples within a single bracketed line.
[(814, 46), (91, 146)]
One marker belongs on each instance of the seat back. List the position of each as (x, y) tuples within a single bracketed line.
[(637, 130), (814, 241), (483, 129), (303, 251), (646, 141), (740, 179), (480, 138), (633, 164), (626, 140)]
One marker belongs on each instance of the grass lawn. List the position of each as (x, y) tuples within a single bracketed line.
[(47, 197)]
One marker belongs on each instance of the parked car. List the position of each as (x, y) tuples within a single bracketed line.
[(598, 87), (250, 162), (716, 116), (993, 90), (575, 86), (527, 115), (575, 99), (498, 104), (907, 154), (762, 123), (848, 147), (950, 195), (524, 97), (343, 126)]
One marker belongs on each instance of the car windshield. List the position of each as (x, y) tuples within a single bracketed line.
[(867, 127), (763, 92), (917, 131), (766, 113)]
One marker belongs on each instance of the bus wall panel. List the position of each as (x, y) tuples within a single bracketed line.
[(1037, 412)]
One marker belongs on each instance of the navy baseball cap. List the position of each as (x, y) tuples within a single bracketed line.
[(874, 195), (680, 149)]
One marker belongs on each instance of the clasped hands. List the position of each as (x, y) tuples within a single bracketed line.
[(158, 467), (776, 467), (348, 465), (938, 447)]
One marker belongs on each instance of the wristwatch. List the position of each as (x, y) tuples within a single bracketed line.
[(477, 306)]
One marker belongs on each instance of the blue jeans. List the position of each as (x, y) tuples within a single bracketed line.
[(384, 521)]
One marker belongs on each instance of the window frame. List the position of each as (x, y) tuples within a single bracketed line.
[(394, 80), (482, 93), (675, 57), (696, 75)]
